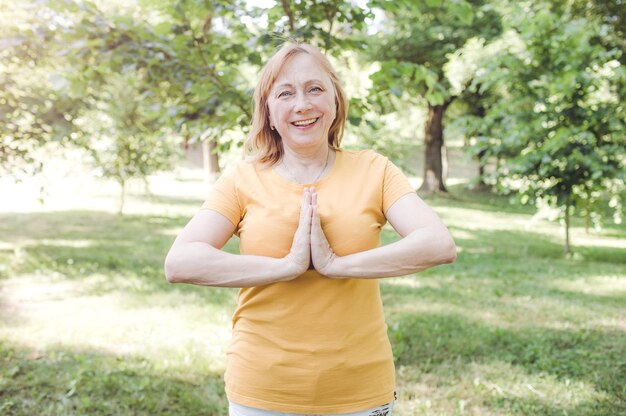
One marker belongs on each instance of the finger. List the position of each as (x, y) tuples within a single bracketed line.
[(306, 212), (314, 211), (316, 223), (310, 192), (306, 220), (306, 202)]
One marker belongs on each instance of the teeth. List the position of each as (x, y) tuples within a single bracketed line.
[(305, 122)]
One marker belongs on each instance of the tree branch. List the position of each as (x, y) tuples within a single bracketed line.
[(216, 79), (289, 13)]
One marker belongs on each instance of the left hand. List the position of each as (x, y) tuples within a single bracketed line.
[(322, 256)]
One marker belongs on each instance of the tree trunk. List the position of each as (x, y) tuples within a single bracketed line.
[(210, 160), (567, 249), (587, 215), (433, 156), (146, 186), (289, 14), (481, 169), (122, 200), (480, 112)]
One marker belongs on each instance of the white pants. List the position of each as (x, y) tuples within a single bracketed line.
[(235, 409)]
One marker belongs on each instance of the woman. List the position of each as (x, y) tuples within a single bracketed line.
[(309, 335)]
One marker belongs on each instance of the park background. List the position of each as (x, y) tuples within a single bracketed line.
[(116, 116)]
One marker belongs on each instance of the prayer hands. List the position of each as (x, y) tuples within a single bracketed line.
[(322, 255), (310, 248), (299, 257)]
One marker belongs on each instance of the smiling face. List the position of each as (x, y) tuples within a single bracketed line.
[(302, 103)]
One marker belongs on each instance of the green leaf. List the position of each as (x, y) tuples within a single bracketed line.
[(163, 28), (435, 97), (396, 91), (462, 11), (354, 120)]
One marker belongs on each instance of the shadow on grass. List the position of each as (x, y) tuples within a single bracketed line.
[(489, 202), (79, 244), (508, 254), (66, 382), (435, 343), (482, 200), (524, 247), (519, 245)]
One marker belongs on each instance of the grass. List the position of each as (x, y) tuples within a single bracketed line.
[(88, 325)]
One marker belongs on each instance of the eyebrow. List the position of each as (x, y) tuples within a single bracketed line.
[(311, 81)]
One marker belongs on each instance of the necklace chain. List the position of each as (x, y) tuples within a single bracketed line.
[(293, 177)]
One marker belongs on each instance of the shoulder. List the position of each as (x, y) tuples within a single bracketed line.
[(363, 155), (243, 169), (365, 158), (244, 176)]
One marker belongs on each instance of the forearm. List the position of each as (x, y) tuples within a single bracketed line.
[(419, 250), (202, 264)]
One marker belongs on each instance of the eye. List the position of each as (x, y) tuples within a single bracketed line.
[(284, 94), (316, 89)]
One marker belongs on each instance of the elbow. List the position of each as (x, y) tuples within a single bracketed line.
[(450, 256), (448, 250), (172, 274)]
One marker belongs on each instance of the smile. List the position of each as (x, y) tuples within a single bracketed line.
[(302, 123)]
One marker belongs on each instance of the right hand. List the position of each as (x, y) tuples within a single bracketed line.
[(299, 257)]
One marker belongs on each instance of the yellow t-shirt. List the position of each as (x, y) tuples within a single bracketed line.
[(313, 344)]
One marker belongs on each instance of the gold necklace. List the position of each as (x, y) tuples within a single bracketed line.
[(293, 177)]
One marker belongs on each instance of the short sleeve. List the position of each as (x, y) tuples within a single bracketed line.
[(395, 185), (223, 197)]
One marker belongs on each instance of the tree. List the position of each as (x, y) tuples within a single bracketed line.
[(125, 137), (187, 55), (475, 102), (559, 125), (328, 24), (611, 13), (34, 108), (414, 49), (208, 45)]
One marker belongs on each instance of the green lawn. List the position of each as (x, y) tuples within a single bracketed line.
[(88, 325)]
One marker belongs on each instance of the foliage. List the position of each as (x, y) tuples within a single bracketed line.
[(611, 13), (145, 76), (190, 62), (417, 41), (126, 139), (34, 108), (558, 127), (203, 48), (427, 52), (330, 25)]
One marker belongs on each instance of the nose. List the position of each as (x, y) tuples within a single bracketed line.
[(302, 103)]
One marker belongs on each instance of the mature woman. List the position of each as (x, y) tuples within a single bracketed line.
[(309, 335)]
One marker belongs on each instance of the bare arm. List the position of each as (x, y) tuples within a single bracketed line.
[(426, 242), (196, 256)]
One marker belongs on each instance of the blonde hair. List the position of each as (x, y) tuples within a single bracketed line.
[(263, 142)]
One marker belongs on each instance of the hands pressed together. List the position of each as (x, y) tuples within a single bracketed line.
[(310, 248)]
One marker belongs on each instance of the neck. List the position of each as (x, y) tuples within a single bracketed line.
[(306, 167), (306, 159)]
